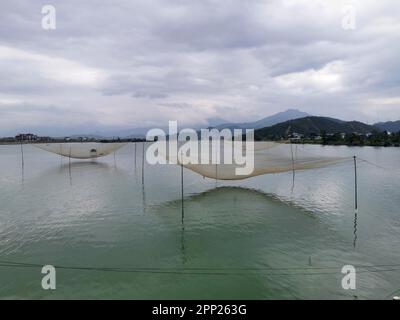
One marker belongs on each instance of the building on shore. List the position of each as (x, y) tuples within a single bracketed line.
[(26, 137)]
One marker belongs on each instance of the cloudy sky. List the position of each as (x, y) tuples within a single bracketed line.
[(125, 64)]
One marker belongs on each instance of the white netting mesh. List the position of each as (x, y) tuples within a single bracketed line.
[(86, 150), (269, 157)]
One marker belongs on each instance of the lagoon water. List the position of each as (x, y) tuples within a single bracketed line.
[(261, 238)]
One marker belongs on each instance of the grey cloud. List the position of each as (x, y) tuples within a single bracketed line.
[(199, 59), (150, 95), (176, 105)]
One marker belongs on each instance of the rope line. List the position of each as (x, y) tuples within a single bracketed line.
[(378, 166), (197, 271), (390, 295), (215, 270)]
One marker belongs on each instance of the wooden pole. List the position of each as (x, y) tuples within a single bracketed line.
[(69, 166), (61, 155), (22, 156), (22, 163), (355, 184), (355, 202), (143, 162), (135, 153), (216, 163), (183, 212), (143, 189), (293, 171)]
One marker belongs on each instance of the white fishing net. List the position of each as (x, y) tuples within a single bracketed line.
[(269, 157), (263, 157), (86, 150)]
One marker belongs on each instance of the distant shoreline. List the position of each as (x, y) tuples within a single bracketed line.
[(71, 141), (388, 145), (142, 140), (26, 143)]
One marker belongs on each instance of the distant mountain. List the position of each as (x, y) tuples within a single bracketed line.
[(279, 117), (289, 114), (291, 120), (313, 125), (216, 122), (391, 126)]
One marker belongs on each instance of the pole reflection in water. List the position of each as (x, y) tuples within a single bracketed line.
[(183, 251), (22, 164), (182, 194), (293, 170), (143, 196), (355, 230), (61, 157), (183, 217), (135, 153), (143, 162), (143, 185), (69, 167)]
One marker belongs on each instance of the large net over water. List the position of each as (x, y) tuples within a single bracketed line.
[(85, 150), (268, 158)]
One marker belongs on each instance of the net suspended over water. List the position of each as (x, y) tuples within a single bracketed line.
[(262, 158), (86, 150)]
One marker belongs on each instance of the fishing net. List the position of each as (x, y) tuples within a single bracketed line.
[(259, 158), (268, 158), (87, 150)]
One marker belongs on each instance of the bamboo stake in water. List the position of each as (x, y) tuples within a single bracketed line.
[(61, 157), (69, 166), (22, 155), (143, 162), (22, 162), (355, 184), (216, 163), (135, 153), (183, 212), (355, 202), (293, 171)]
